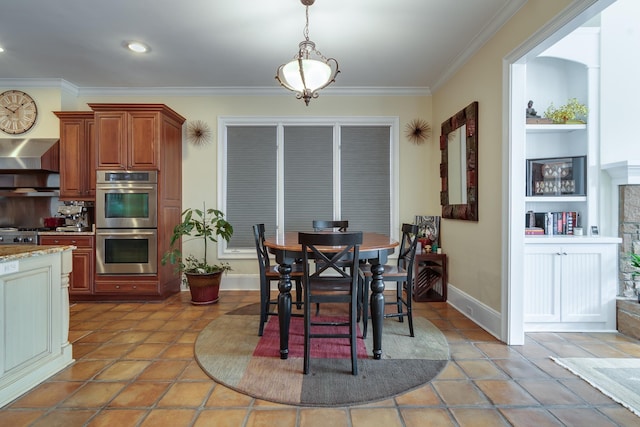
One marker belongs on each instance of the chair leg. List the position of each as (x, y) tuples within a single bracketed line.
[(409, 307), (399, 303), (264, 309), (365, 306), (298, 293), (307, 333), (353, 332)]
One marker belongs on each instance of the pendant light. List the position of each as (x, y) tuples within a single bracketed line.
[(309, 71)]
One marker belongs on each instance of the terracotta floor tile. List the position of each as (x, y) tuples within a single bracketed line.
[(193, 371), (162, 337), (170, 418), (313, 417), (530, 417), (498, 350), (586, 392), (464, 350), (478, 417), (481, 369), (93, 395), (129, 337), (81, 370), (140, 394), (423, 396), (581, 417), (367, 417), (178, 351), (48, 394), (117, 417), (221, 418), (551, 392), (417, 417), (123, 370), (110, 351), (455, 393), (520, 368), (186, 394), (19, 418), (147, 351), (225, 397), (164, 370), (452, 372), (64, 417), (506, 393), (620, 415), (273, 418)]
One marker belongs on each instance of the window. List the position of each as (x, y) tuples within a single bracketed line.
[(287, 172)]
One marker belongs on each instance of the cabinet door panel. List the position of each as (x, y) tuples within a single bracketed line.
[(90, 142), (71, 158), (111, 151), (542, 287), (82, 273), (143, 140), (582, 287)]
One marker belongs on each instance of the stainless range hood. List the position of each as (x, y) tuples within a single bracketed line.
[(30, 154)]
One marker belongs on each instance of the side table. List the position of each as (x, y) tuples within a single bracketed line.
[(430, 277)]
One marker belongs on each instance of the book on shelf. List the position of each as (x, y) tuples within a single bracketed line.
[(551, 223)]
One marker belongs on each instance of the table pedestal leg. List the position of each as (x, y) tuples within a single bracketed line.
[(377, 308), (284, 308)]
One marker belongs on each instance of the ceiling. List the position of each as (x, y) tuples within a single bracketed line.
[(239, 44)]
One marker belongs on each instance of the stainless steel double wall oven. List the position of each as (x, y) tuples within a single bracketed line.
[(126, 222)]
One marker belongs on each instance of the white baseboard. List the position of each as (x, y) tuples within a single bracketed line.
[(487, 318)]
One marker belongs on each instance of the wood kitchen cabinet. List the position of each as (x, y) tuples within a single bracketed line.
[(131, 136), (77, 155), (81, 279)]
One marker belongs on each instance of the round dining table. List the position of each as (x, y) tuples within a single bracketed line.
[(375, 249)]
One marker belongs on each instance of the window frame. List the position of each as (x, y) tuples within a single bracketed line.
[(280, 122)]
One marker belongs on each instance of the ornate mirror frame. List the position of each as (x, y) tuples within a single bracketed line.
[(467, 117)]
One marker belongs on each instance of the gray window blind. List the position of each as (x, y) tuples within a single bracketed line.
[(251, 181), (308, 175), (365, 177)]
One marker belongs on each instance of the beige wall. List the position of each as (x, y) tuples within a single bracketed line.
[(475, 248)]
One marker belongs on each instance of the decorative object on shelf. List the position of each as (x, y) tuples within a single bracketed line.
[(562, 176), (202, 278), (567, 113), (198, 132), (531, 112), (459, 165), (18, 112), (428, 229), (305, 75), (418, 131)]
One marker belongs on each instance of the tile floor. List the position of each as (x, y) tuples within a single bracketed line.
[(135, 367)]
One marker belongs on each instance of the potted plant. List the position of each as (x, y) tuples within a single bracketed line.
[(634, 260), (567, 113), (202, 278)]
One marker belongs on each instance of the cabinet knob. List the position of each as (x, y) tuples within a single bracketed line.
[(117, 286)]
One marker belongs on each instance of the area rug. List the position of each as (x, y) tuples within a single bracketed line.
[(231, 352), (617, 378)]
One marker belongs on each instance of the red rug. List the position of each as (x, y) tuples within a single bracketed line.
[(321, 348)]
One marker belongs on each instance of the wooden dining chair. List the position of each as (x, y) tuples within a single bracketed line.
[(330, 283), (320, 225), (401, 273), (270, 274)]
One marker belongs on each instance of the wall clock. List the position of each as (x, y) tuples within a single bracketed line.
[(18, 112)]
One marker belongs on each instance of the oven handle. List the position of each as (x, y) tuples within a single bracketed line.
[(136, 232), (125, 187)]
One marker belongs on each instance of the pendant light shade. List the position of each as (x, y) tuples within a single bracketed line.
[(305, 74)]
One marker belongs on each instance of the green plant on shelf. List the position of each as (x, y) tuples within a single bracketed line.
[(571, 112)]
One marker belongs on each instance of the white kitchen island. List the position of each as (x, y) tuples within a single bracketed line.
[(34, 316)]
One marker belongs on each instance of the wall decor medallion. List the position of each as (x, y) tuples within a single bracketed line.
[(18, 112), (418, 131), (198, 132)]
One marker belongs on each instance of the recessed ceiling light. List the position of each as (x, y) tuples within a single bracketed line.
[(1, 49), (137, 47)]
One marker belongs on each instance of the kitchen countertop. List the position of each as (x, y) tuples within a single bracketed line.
[(15, 252)]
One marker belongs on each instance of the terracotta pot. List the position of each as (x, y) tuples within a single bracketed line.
[(204, 287)]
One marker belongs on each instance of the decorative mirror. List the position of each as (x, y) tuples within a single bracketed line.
[(459, 165)]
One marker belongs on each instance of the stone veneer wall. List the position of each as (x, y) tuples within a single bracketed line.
[(629, 231)]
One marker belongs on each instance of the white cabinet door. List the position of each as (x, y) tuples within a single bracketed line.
[(570, 287)]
